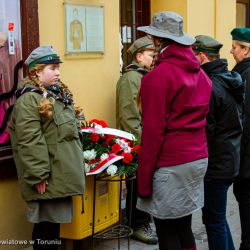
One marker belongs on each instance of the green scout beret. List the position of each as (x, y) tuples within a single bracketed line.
[(140, 44), (241, 34), (42, 55), (206, 44)]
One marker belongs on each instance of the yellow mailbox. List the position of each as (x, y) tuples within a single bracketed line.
[(106, 209)]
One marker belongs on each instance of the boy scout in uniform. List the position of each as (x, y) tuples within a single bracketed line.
[(128, 118)]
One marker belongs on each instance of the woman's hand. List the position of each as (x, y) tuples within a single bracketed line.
[(41, 187)]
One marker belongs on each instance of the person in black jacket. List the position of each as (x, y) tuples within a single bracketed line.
[(241, 53), (224, 131)]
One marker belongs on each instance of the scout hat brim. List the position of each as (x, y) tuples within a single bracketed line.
[(184, 39)]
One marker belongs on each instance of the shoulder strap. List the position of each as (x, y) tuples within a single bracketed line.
[(137, 68), (24, 90)]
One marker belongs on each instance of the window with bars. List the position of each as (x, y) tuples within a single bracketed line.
[(133, 13)]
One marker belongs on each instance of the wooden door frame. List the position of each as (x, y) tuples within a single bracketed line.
[(29, 26), (247, 3), (30, 40)]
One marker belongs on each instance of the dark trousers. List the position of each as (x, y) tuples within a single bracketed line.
[(138, 217), (46, 236), (242, 194), (214, 214), (175, 234)]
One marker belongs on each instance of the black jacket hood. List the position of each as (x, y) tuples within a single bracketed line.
[(230, 80)]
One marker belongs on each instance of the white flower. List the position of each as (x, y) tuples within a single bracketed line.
[(87, 167), (111, 170), (104, 156), (89, 154)]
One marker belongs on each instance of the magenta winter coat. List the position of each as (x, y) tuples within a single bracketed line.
[(175, 101)]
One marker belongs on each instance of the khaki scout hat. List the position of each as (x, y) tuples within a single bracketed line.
[(42, 55), (142, 43), (168, 25), (206, 44)]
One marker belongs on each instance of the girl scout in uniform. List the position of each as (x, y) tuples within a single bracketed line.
[(46, 145)]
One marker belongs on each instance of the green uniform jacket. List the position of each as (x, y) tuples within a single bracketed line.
[(46, 149), (128, 117)]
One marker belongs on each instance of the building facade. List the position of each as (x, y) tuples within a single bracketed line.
[(92, 72)]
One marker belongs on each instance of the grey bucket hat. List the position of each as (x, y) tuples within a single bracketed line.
[(168, 25)]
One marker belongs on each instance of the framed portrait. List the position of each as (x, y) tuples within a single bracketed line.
[(84, 28)]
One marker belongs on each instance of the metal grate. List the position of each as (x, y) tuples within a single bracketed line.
[(115, 232), (133, 13)]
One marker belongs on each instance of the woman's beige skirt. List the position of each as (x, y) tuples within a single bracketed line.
[(177, 191)]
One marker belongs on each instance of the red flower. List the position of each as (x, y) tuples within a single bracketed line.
[(116, 148), (109, 139), (136, 148), (99, 122), (94, 137), (128, 158), (94, 121), (103, 124)]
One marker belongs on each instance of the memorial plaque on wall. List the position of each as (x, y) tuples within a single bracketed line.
[(84, 28)]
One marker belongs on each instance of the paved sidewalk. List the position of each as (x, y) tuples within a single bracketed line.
[(198, 229)]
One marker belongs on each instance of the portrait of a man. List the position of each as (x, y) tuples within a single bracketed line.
[(84, 29), (76, 31)]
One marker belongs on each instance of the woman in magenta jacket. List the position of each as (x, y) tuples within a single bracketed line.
[(173, 157)]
